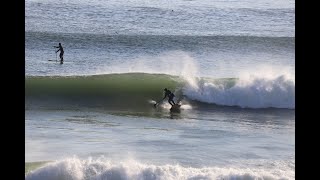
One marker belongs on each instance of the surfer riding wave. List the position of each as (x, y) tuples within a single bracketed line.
[(170, 95)]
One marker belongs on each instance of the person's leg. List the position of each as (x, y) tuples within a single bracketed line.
[(172, 100), (61, 56)]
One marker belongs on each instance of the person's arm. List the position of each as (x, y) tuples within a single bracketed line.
[(165, 95), (57, 50)]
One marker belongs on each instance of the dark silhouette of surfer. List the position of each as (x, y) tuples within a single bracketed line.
[(61, 52), (170, 95)]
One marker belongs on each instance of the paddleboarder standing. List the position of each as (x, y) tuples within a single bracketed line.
[(61, 52)]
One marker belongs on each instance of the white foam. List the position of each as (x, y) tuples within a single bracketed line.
[(103, 169), (165, 105), (260, 88), (186, 106)]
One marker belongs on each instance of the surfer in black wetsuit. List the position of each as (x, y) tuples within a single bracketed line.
[(170, 95), (61, 52)]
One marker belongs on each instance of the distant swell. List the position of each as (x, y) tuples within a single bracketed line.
[(137, 90), (38, 40), (102, 169)]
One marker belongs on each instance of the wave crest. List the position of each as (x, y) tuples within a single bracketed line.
[(255, 92)]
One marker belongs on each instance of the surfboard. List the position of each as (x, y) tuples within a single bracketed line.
[(175, 108)]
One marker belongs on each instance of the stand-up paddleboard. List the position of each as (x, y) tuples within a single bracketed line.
[(175, 108), (61, 62)]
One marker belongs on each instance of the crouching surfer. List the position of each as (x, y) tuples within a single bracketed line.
[(170, 95)]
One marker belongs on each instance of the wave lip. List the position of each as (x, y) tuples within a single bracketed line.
[(101, 168)]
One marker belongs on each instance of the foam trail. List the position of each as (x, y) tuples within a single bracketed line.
[(186, 106), (104, 169), (165, 105)]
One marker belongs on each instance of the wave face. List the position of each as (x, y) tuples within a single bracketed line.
[(102, 169), (136, 90), (114, 90)]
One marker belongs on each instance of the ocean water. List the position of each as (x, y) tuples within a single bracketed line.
[(230, 64)]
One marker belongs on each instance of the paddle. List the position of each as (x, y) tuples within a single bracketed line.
[(155, 105), (56, 58), (56, 53)]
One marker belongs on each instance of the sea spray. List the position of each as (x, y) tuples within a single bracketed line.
[(175, 63)]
